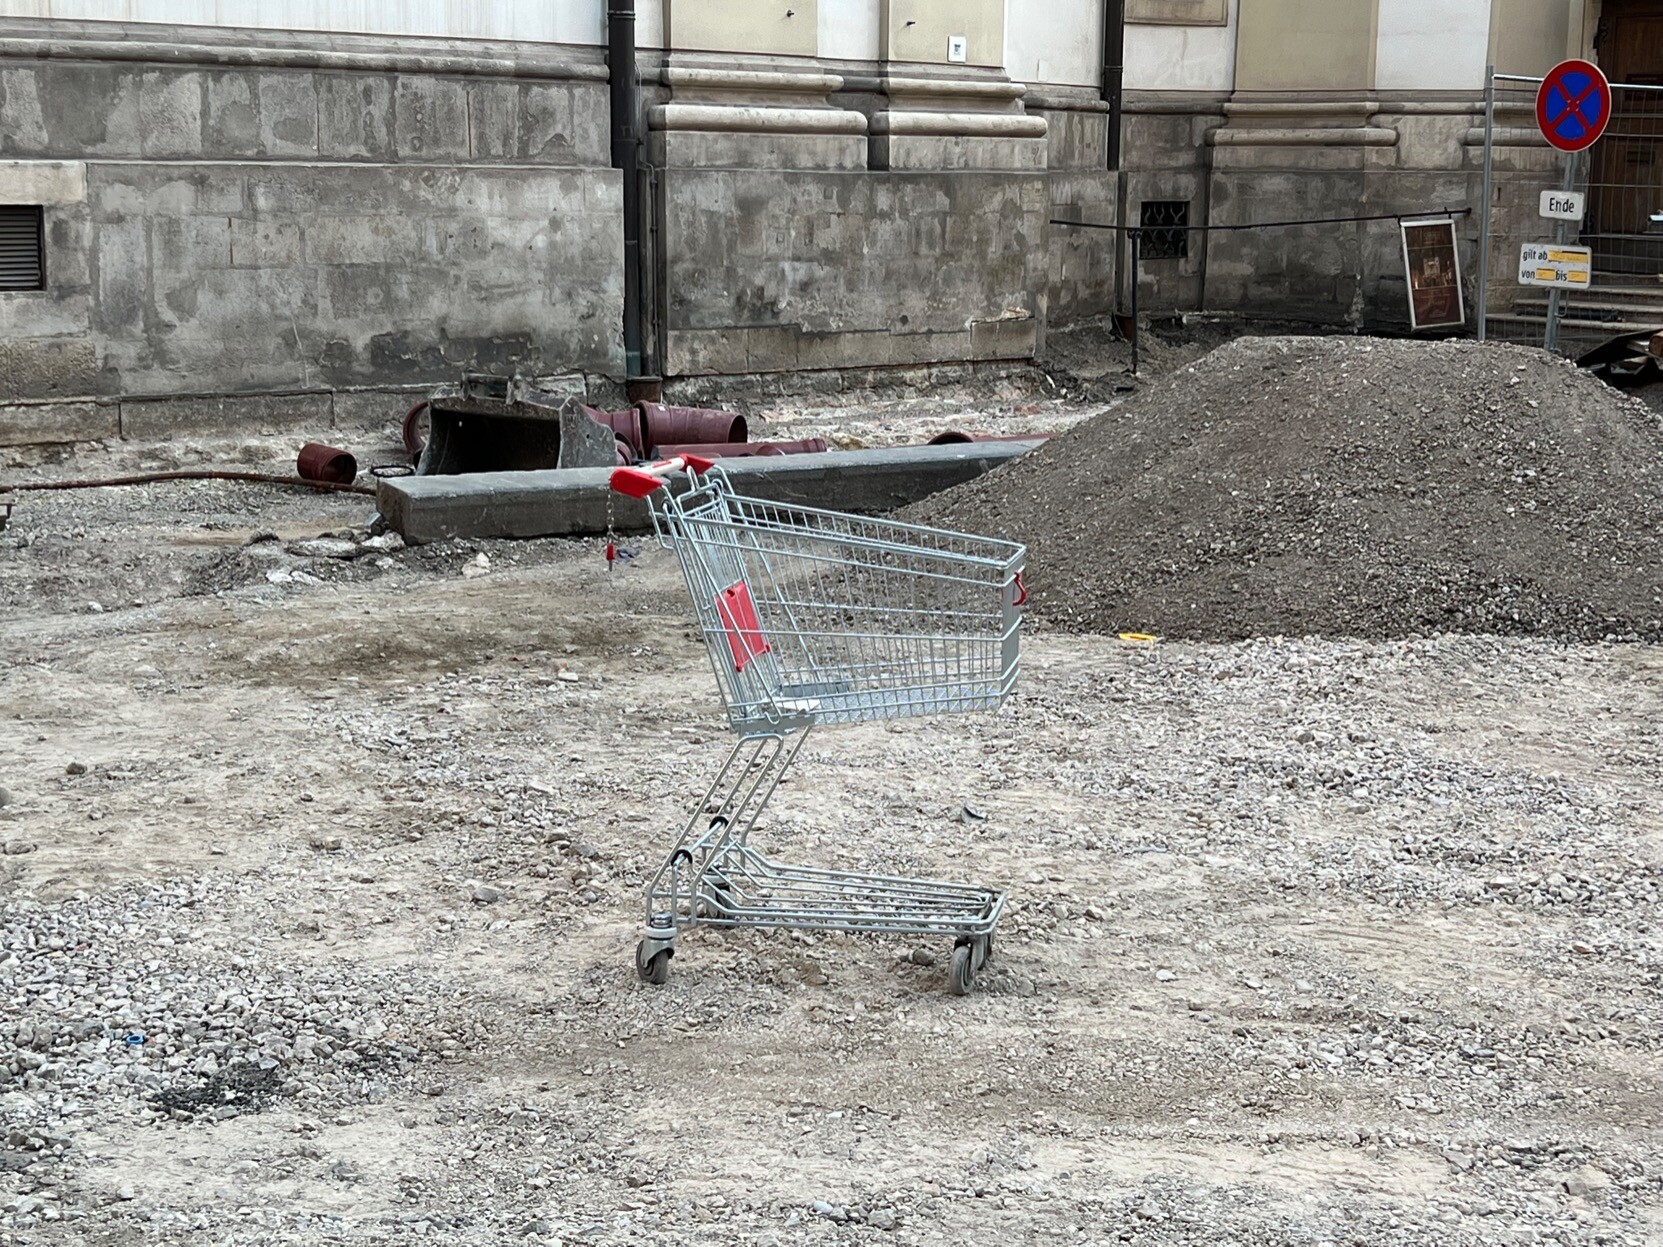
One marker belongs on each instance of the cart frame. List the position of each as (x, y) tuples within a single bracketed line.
[(782, 598)]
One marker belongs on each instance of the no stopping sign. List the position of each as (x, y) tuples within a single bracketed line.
[(1573, 105)]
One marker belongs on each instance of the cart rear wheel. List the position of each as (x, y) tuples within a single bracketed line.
[(718, 898), (962, 973), (655, 968)]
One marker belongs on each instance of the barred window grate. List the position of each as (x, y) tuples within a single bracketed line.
[(22, 247), (1165, 225)]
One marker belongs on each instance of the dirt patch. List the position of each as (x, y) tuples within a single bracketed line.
[(1343, 486)]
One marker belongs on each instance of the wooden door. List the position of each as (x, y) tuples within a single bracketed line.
[(1625, 181)]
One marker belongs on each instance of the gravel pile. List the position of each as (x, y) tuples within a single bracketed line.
[(1344, 486)]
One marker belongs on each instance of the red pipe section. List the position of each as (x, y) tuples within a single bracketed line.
[(952, 437), (686, 426), (317, 462), (414, 442), (628, 426)]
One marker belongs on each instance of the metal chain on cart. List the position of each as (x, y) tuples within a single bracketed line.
[(611, 532)]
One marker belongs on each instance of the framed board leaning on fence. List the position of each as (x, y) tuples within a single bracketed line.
[(1432, 265)]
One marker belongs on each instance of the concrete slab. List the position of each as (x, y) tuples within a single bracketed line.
[(573, 502)]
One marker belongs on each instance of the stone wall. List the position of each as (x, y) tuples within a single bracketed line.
[(833, 269), (1240, 162), (1080, 277), (1365, 157), (299, 231), (271, 227)]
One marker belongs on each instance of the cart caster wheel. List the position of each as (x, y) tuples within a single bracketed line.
[(983, 950), (653, 969), (962, 973)]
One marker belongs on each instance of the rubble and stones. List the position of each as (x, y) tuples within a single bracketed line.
[(327, 938)]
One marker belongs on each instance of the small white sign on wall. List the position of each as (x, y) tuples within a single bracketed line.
[(958, 48)]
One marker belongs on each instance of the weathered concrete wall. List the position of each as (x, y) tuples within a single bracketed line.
[(1169, 158), (1080, 262), (256, 226), (280, 227), (831, 269)]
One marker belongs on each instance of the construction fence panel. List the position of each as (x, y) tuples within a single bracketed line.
[(1621, 180)]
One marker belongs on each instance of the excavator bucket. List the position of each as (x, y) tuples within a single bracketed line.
[(497, 424)]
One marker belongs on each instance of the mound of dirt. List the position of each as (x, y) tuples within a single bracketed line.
[(1343, 486)]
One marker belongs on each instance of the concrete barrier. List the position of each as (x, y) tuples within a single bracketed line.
[(573, 502)]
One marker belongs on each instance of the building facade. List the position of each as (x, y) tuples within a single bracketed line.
[(1243, 111), (285, 210)]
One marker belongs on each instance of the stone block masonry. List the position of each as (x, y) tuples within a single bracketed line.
[(265, 219), (270, 229), (829, 269), (234, 277)]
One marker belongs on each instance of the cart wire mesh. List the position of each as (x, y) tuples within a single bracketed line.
[(824, 617)]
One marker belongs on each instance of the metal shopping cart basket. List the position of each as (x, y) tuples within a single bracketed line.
[(816, 617)]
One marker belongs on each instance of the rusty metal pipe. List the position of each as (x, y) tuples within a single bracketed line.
[(687, 426), (317, 462), (953, 437), (628, 426)]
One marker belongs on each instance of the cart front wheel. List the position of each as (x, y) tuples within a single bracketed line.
[(653, 968), (962, 973)]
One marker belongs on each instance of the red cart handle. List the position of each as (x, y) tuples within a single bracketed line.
[(639, 482), (1021, 592)]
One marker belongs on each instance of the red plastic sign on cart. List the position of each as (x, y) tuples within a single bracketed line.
[(1573, 105)]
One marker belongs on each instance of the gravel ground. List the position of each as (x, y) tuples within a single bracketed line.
[(1344, 486), (319, 894)]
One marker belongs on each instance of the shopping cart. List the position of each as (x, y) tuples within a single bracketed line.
[(816, 617)]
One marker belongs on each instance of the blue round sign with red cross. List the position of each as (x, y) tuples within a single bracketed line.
[(1573, 105)]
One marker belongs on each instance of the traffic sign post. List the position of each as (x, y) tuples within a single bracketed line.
[(1550, 335), (1573, 107)]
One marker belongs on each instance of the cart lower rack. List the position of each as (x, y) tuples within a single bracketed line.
[(810, 618)]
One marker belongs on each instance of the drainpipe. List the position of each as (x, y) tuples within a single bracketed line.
[(1114, 72), (626, 153)]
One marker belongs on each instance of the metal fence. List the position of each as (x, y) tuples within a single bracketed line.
[(1622, 224)]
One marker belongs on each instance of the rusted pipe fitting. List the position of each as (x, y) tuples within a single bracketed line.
[(317, 462), (628, 426), (689, 426), (414, 440)]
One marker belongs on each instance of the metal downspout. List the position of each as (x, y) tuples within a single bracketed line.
[(626, 143), (1114, 73)]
